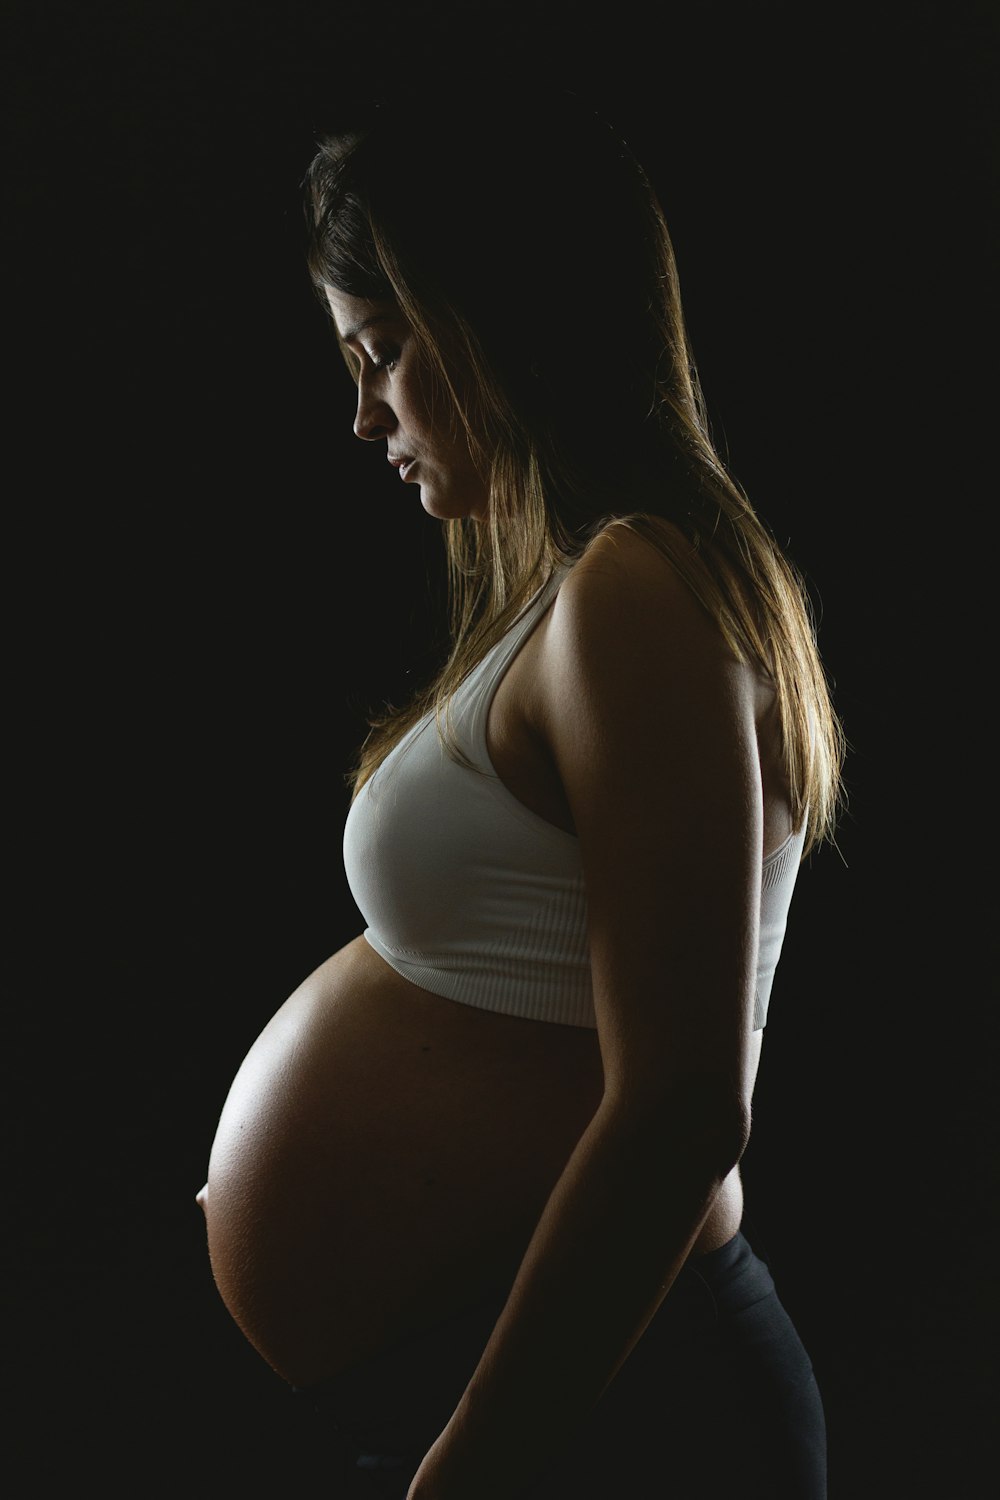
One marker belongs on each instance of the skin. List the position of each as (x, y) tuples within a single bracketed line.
[(678, 1077), (671, 859), (394, 408)]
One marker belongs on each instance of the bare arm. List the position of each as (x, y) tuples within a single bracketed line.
[(615, 1233), (651, 727)]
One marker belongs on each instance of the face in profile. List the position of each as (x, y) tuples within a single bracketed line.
[(394, 407)]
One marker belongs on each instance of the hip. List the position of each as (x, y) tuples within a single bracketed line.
[(719, 1391)]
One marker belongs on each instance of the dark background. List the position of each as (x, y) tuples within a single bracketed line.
[(206, 588)]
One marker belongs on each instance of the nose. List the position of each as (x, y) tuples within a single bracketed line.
[(375, 419)]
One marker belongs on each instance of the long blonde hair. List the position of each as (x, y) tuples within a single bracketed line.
[(555, 459)]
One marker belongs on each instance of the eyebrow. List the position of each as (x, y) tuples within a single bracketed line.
[(351, 336)]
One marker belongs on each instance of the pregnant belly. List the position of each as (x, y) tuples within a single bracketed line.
[(382, 1159)]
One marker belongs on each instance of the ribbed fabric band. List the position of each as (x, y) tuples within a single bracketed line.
[(469, 893)]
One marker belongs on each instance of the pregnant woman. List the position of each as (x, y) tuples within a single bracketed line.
[(475, 1190)]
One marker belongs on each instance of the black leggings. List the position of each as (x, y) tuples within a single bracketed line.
[(718, 1398)]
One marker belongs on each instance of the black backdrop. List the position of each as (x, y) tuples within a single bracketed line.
[(206, 587)]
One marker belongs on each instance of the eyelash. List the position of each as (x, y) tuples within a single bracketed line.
[(386, 361)]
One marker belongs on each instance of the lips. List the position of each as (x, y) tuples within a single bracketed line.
[(403, 464)]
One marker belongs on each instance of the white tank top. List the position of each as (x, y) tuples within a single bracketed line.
[(470, 894)]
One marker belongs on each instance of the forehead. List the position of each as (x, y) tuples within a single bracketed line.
[(354, 315)]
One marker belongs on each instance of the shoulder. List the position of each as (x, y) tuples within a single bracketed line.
[(637, 686), (626, 614), (627, 572), (649, 723)]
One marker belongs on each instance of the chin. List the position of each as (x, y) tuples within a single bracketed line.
[(447, 508)]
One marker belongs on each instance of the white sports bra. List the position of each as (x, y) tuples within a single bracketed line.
[(470, 894)]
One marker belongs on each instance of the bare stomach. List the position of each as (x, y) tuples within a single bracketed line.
[(382, 1159)]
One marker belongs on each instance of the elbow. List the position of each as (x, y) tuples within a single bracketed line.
[(720, 1138), (739, 1137), (710, 1127)]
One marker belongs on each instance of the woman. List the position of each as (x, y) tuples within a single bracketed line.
[(475, 1190)]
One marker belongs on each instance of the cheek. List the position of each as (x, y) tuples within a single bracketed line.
[(430, 410)]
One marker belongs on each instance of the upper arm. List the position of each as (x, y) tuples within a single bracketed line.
[(650, 723)]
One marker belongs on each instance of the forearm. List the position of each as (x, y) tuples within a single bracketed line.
[(614, 1234)]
